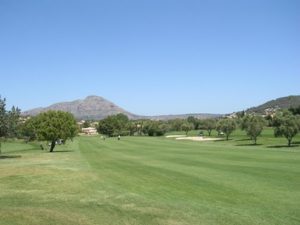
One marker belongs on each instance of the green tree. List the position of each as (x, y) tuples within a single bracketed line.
[(245, 122), (106, 126), (186, 127), (54, 125), (139, 126), (286, 124), (163, 127), (86, 124), (209, 125), (253, 126), (131, 127), (28, 129), (13, 122), (155, 128), (121, 123), (175, 124), (114, 125), (9, 121), (295, 110), (3, 120), (227, 126), (194, 121), (241, 114), (148, 128)]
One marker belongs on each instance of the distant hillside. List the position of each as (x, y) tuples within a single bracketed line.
[(280, 103), (97, 108), (184, 116), (91, 108)]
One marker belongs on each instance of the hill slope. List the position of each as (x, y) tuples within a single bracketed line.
[(92, 107), (281, 103)]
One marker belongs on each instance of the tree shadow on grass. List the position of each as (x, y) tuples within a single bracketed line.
[(245, 139), (61, 151), (9, 156), (249, 144), (25, 150), (282, 146)]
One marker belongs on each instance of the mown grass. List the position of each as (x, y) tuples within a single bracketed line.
[(143, 180)]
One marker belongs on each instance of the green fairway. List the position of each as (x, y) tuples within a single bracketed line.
[(144, 181)]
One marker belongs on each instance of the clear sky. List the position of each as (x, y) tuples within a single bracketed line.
[(150, 56)]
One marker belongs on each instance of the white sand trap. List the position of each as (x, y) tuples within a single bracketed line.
[(198, 138), (175, 136)]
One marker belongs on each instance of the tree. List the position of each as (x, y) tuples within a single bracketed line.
[(162, 129), (175, 124), (3, 119), (194, 121), (227, 126), (209, 125), (148, 128), (28, 129), (54, 125), (131, 127), (245, 122), (254, 126), (13, 122), (187, 127), (286, 124), (114, 125), (295, 110), (241, 114), (155, 128), (86, 124), (106, 126), (9, 121), (121, 123), (139, 126)]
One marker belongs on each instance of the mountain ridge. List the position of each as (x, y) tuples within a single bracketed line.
[(92, 107), (96, 108)]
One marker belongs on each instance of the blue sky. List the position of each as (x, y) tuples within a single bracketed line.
[(150, 57)]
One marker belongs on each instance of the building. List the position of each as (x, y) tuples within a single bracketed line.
[(89, 131)]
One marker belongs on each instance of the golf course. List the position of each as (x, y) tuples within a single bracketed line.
[(153, 112), (152, 180)]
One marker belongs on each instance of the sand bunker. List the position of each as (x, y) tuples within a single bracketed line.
[(175, 136), (198, 138)]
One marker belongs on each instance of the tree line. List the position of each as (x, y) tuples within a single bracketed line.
[(54, 126), (286, 123), (120, 124)]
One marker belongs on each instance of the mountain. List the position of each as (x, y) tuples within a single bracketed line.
[(279, 103), (97, 108), (91, 108)]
